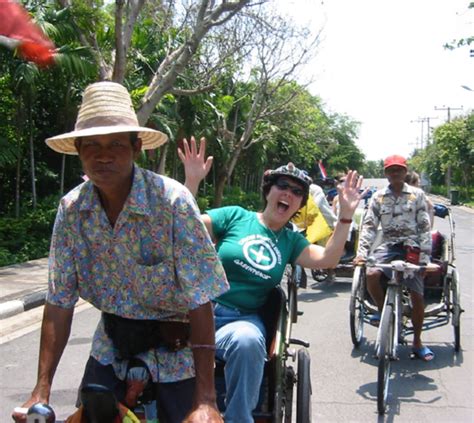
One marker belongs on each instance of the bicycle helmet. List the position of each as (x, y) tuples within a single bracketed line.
[(290, 170)]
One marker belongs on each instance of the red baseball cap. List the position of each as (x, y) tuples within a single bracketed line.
[(395, 161)]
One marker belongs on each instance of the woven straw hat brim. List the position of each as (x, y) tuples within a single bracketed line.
[(64, 143)]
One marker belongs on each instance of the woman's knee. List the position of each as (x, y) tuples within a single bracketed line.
[(248, 339)]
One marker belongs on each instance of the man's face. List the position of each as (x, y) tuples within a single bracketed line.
[(108, 159), (396, 174)]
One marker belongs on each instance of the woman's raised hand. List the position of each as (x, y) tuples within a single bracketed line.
[(349, 194), (196, 166)]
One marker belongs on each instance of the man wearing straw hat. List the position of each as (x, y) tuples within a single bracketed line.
[(131, 243)]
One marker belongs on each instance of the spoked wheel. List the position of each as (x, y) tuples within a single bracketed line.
[(319, 275), (289, 382), (303, 387), (356, 306), (385, 352), (456, 309)]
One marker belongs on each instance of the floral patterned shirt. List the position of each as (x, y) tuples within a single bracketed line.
[(157, 262)]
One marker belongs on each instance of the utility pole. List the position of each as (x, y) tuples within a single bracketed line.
[(422, 120), (448, 172)]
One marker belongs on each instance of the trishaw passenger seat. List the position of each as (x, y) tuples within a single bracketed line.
[(437, 244), (434, 280)]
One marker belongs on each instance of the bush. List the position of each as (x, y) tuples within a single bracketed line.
[(28, 237), (233, 196)]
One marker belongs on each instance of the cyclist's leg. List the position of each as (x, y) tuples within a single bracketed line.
[(416, 288), (417, 317), (375, 287), (383, 254), (99, 374), (175, 400), (241, 344)]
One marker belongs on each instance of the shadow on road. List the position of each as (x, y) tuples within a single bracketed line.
[(408, 377), (323, 290)]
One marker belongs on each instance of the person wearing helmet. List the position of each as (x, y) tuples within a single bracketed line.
[(255, 248)]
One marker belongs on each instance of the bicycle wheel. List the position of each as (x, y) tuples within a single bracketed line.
[(319, 275), (456, 310), (356, 306), (303, 387), (385, 352)]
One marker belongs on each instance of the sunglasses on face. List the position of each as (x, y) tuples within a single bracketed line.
[(283, 185)]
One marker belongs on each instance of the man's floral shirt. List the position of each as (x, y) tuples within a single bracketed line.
[(157, 262)]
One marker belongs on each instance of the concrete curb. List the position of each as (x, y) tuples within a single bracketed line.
[(28, 302)]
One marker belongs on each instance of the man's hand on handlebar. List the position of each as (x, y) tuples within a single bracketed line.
[(359, 261), (204, 413), (19, 413)]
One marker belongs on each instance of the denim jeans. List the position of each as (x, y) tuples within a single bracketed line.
[(240, 343)]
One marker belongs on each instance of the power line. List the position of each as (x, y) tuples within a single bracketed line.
[(422, 120), (448, 109)]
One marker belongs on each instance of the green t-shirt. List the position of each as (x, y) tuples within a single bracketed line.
[(253, 256)]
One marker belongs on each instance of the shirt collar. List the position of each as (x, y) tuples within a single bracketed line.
[(137, 200), (407, 189)]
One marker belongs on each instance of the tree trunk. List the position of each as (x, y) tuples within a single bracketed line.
[(162, 166), (219, 189), (32, 165), (17, 187)]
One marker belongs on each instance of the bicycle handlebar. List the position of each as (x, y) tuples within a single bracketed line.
[(404, 266)]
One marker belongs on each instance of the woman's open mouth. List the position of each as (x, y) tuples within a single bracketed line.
[(283, 206)]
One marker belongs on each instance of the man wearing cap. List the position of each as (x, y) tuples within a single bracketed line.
[(131, 243), (401, 210)]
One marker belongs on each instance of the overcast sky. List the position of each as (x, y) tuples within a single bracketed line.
[(383, 63)]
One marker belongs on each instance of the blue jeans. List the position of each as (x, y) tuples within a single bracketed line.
[(240, 343)]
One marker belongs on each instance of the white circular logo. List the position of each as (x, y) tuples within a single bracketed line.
[(259, 253)]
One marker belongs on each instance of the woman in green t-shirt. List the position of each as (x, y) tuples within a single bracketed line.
[(254, 249)]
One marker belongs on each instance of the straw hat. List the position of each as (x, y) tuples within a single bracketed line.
[(106, 109)]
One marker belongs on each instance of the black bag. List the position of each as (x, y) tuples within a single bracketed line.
[(131, 336)]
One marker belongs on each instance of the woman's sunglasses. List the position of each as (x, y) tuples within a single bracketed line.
[(283, 185)]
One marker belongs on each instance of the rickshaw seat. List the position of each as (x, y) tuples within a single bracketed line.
[(434, 279), (437, 244)]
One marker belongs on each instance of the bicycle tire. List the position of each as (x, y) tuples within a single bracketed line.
[(385, 352), (356, 307), (456, 310), (319, 275), (303, 387)]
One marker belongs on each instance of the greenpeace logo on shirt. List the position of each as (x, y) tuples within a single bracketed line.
[(261, 255)]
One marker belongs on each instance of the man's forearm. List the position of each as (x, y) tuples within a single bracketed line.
[(203, 344), (55, 331)]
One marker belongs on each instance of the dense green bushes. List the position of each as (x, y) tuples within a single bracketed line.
[(27, 238)]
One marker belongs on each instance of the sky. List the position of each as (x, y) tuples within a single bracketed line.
[(383, 64)]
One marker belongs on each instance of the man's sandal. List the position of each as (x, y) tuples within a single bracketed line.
[(423, 353)]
